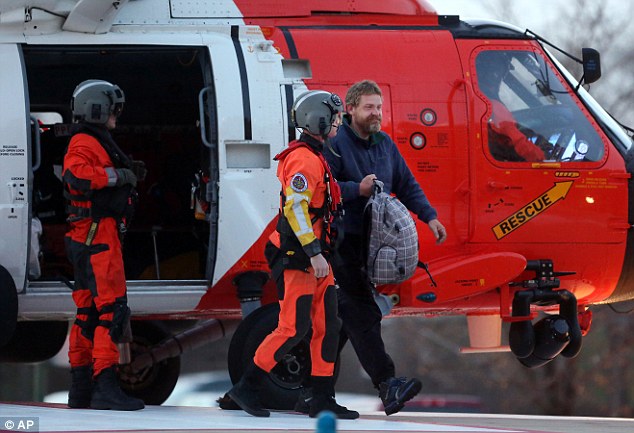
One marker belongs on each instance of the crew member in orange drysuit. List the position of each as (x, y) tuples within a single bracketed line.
[(297, 254), (99, 183)]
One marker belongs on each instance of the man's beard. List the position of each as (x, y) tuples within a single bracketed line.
[(372, 124)]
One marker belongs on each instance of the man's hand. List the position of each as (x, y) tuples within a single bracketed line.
[(439, 231), (125, 176), (320, 266), (366, 187)]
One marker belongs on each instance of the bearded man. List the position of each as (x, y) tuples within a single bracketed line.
[(361, 153)]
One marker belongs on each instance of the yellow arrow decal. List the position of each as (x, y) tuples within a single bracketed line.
[(532, 209)]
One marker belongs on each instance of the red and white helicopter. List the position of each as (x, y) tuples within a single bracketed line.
[(209, 87)]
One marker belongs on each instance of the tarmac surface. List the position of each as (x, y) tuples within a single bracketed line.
[(51, 417)]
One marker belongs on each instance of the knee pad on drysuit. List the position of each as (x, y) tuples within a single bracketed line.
[(119, 326), (92, 320), (333, 326)]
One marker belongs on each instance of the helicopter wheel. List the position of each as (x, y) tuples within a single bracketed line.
[(282, 389), (35, 341), (8, 306), (153, 384)]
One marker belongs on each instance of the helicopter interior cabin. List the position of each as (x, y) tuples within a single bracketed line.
[(160, 125)]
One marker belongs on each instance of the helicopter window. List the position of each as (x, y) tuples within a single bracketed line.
[(532, 115)]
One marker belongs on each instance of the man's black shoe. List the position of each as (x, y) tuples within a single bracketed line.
[(395, 391)]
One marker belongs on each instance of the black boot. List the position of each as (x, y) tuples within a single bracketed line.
[(108, 394), (303, 401), (81, 387), (324, 399), (246, 392), (305, 396), (226, 403)]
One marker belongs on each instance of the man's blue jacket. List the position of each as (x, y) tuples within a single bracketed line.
[(378, 155)]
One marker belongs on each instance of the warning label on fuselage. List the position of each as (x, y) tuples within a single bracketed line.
[(532, 209)]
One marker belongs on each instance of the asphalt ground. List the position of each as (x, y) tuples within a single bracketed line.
[(51, 417)]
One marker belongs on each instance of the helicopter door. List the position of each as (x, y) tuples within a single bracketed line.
[(207, 185), (15, 165)]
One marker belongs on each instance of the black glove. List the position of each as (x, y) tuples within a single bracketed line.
[(138, 167), (125, 176)]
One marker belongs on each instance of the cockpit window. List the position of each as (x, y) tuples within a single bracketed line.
[(532, 115)]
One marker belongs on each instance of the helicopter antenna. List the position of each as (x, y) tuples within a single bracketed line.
[(550, 44)]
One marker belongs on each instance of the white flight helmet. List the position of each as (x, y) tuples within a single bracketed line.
[(315, 111), (94, 100)]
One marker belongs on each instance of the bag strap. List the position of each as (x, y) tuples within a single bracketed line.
[(378, 187)]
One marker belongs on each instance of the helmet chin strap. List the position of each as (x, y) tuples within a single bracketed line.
[(327, 143)]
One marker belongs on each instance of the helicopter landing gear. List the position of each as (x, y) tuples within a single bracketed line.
[(536, 345)]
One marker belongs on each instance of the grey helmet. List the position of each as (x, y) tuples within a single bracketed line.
[(315, 111), (94, 100)]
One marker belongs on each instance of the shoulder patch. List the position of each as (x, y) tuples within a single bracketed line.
[(299, 183)]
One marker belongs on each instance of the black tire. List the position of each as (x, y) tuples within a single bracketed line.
[(154, 384), (281, 390), (35, 341), (8, 306)]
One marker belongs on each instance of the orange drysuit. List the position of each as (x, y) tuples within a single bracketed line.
[(94, 248), (304, 299), (506, 136)]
